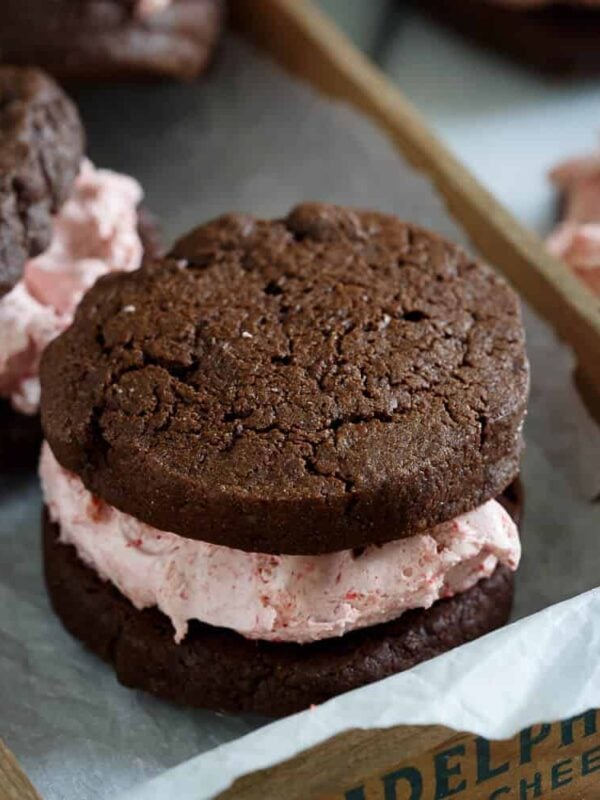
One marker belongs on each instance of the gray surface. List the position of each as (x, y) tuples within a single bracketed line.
[(252, 140), (366, 22), (508, 123), (247, 139)]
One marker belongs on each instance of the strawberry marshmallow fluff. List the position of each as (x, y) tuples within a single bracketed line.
[(276, 598), (95, 232), (577, 238)]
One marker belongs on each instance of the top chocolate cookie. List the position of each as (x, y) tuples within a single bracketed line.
[(303, 385), (40, 153)]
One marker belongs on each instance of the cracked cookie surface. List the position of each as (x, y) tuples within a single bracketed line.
[(304, 385), (40, 154)]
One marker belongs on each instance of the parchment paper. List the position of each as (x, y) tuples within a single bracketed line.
[(453, 690), (250, 139)]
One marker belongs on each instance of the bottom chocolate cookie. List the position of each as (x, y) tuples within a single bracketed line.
[(20, 439), (219, 669)]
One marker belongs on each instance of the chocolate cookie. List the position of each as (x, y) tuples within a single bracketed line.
[(561, 39), (20, 439), (40, 152), (299, 386), (112, 39), (219, 669)]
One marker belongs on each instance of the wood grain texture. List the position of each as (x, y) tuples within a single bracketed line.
[(341, 761), (14, 784), (560, 759), (307, 43)]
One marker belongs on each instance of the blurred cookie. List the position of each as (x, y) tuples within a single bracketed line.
[(112, 39), (40, 153), (557, 38)]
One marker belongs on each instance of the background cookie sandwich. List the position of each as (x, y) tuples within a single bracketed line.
[(273, 459), (112, 39), (554, 36), (63, 224)]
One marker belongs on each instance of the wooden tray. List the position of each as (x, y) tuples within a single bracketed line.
[(298, 36), (304, 41), (561, 761)]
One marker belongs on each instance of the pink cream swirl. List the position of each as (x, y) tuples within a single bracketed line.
[(577, 238), (276, 598), (95, 232)]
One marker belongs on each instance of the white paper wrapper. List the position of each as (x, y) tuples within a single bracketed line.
[(452, 690), (251, 139)]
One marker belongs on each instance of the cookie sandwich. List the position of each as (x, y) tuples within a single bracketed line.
[(63, 224), (112, 39), (275, 459), (557, 37)]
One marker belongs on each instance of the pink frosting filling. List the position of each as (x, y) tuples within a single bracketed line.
[(277, 598), (95, 232), (577, 238)]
